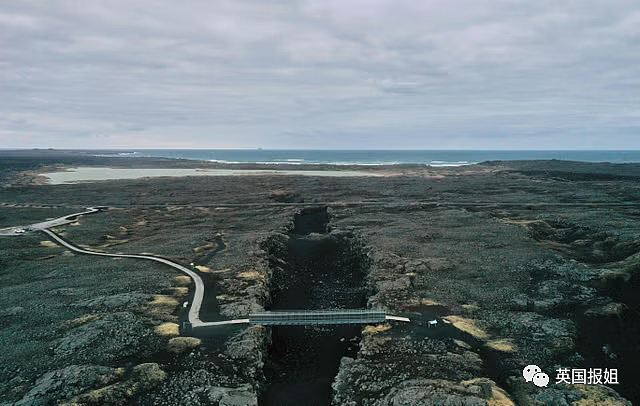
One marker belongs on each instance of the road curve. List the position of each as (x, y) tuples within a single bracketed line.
[(194, 311)]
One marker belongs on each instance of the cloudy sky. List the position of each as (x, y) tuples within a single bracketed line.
[(428, 74)]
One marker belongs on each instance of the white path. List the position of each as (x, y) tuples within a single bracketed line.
[(194, 311)]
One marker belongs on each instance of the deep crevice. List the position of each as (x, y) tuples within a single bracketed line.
[(312, 268)]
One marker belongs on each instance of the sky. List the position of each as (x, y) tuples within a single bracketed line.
[(320, 74)]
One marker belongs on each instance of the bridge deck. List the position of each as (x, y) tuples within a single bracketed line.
[(317, 317)]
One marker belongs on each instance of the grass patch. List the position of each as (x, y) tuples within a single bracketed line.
[(503, 345), (162, 307), (168, 329), (253, 275), (376, 329), (468, 326), (182, 280), (499, 397), (204, 269), (179, 345)]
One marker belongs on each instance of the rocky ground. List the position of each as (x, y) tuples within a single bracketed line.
[(508, 258)]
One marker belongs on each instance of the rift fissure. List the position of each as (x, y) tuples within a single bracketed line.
[(313, 267)]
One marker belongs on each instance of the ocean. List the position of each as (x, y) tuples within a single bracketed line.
[(381, 157)]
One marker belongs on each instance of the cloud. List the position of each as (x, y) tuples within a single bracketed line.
[(320, 73)]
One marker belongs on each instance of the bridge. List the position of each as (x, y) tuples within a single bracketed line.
[(312, 318)]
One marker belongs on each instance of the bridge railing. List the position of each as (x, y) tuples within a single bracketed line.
[(310, 317)]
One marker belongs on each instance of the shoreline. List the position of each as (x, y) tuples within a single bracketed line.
[(25, 168)]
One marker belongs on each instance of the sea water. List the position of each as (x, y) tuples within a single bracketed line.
[(380, 157)]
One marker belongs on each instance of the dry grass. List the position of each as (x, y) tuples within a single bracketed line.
[(462, 344), (499, 398), (223, 270), (503, 345), (376, 329), (167, 329), (204, 269), (224, 298), (427, 302), (48, 244), (81, 320), (162, 307), (163, 300), (182, 280), (528, 223), (179, 345), (468, 326), (205, 247), (178, 292), (253, 275)]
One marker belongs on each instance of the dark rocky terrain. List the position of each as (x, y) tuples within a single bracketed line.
[(521, 262)]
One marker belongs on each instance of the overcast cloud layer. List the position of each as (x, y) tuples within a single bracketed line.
[(490, 74)]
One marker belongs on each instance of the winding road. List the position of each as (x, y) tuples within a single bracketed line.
[(198, 296), (194, 311)]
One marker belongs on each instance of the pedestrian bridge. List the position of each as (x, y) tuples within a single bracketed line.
[(312, 318)]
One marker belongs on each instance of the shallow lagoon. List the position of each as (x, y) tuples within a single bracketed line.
[(89, 174)]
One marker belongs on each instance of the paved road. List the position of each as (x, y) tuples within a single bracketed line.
[(194, 311), (13, 231)]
